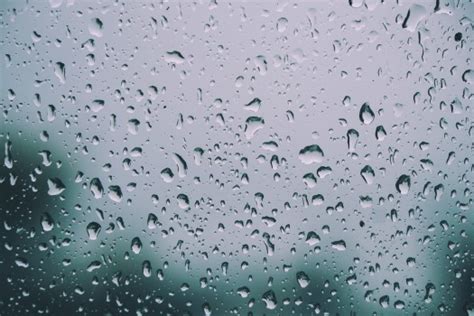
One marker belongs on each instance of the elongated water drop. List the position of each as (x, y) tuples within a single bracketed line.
[(60, 72), (366, 115), (368, 174), (47, 222), (136, 245), (96, 188), (352, 137)]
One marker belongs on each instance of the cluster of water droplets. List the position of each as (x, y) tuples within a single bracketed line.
[(236, 158)]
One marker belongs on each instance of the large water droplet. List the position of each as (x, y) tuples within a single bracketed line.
[(254, 105), (95, 27), (311, 154), (366, 115), (339, 245), (403, 184), (96, 188), (352, 137), (312, 238), (368, 174), (93, 230), (269, 299), (252, 125), (47, 222), (55, 186), (303, 279), (60, 72), (115, 193), (136, 245), (174, 57)]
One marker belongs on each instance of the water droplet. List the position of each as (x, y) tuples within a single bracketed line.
[(312, 238), (136, 245), (339, 245), (303, 279), (384, 301), (252, 125), (269, 299), (22, 262), (47, 222), (97, 105), (60, 72), (174, 57), (368, 174), (55, 186), (95, 27), (94, 265), (243, 291), (181, 165), (415, 14), (253, 105), (403, 184), (468, 76), (399, 304), (8, 160), (152, 221), (366, 115), (352, 137), (183, 201), (380, 133), (206, 309), (146, 268), (311, 154), (282, 24), (96, 188), (167, 175), (115, 193), (93, 230)]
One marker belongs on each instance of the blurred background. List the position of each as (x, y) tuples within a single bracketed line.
[(247, 157)]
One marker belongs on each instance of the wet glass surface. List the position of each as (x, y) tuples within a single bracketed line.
[(245, 157)]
